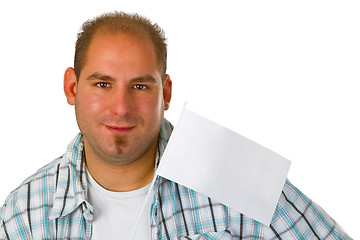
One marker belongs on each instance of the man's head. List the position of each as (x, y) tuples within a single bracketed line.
[(119, 92), (120, 22)]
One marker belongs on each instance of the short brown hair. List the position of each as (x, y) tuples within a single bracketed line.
[(115, 22)]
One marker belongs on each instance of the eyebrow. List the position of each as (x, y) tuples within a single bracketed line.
[(147, 78), (98, 76)]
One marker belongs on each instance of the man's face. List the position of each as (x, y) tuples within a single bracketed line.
[(120, 98)]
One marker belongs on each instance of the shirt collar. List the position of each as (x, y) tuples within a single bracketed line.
[(165, 133), (71, 191), (72, 185)]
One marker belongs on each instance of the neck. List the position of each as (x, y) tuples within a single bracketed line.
[(122, 178)]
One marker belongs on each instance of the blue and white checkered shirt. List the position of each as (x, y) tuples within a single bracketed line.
[(52, 204)]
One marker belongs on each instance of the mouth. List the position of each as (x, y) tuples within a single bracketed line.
[(119, 129)]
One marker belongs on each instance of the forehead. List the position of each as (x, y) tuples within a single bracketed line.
[(121, 51), (103, 41)]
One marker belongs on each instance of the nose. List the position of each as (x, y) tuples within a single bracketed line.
[(120, 102)]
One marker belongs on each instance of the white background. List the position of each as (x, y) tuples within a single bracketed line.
[(283, 73)]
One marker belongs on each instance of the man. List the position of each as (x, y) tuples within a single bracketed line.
[(120, 90)]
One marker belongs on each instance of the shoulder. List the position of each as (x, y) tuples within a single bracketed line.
[(297, 216), (42, 180), (45, 178), (43, 197)]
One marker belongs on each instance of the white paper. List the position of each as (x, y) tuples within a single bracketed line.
[(224, 166)]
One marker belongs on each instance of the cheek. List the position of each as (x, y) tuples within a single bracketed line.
[(151, 107), (89, 104)]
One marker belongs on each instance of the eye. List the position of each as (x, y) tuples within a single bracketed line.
[(140, 87), (102, 84)]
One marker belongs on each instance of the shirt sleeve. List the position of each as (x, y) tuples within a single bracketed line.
[(297, 217), (3, 232), (13, 221)]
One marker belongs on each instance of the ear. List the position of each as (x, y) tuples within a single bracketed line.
[(167, 88), (70, 85)]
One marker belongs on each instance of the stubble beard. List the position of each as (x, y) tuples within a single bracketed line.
[(120, 141)]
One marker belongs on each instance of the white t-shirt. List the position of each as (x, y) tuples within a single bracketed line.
[(116, 213)]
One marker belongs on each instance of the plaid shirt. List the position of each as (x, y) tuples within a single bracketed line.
[(52, 204)]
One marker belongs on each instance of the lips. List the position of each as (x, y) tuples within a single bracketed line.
[(119, 129)]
